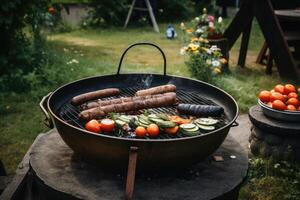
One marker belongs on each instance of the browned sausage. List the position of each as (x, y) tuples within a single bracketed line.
[(77, 100), (156, 90), (101, 103), (166, 99)]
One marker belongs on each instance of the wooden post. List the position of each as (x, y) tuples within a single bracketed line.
[(129, 14), (131, 173), (244, 45)]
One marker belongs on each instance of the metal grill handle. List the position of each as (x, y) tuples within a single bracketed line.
[(143, 43), (47, 121)]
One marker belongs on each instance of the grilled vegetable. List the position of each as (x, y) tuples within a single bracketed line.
[(172, 131), (200, 110), (156, 90), (179, 120), (153, 130), (107, 125), (93, 126), (206, 121), (189, 129), (140, 131), (206, 128), (77, 100), (165, 100), (165, 124)]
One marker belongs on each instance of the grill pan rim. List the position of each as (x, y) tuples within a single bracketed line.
[(148, 139)]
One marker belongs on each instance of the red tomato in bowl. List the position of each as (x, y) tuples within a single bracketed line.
[(278, 105), (292, 95), (293, 101), (279, 88), (276, 96), (291, 107), (288, 88), (264, 96)]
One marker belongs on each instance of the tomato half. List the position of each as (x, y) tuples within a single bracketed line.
[(107, 125), (172, 131), (93, 126), (153, 130)]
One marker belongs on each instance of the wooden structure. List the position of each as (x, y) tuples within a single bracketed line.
[(53, 171), (272, 31), (149, 9)]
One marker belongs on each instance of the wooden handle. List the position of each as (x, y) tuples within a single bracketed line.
[(131, 172)]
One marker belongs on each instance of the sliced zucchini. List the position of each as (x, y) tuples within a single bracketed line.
[(206, 121), (165, 124), (153, 116), (125, 118), (187, 126), (141, 120), (163, 116), (120, 123), (156, 120), (206, 128)]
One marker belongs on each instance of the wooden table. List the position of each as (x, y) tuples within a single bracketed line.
[(55, 172), (269, 24)]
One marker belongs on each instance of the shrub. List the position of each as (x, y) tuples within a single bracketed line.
[(19, 54)]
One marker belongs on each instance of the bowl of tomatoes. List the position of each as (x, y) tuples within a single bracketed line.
[(282, 102)]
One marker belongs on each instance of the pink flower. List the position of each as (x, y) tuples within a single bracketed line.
[(210, 18)]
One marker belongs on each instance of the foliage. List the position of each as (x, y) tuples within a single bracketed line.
[(19, 54), (272, 180)]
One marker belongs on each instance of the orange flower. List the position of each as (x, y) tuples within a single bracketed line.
[(223, 61), (189, 30)]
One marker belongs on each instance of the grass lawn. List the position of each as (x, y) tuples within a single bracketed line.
[(98, 53)]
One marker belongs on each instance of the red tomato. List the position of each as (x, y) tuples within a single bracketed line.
[(172, 131), (269, 104), (278, 105), (140, 131), (264, 96), (153, 130), (291, 107), (276, 96), (93, 126), (293, 101), (279, 88), (292, 95), (288, 88), (107, 125), (298, 108), (272, 91)]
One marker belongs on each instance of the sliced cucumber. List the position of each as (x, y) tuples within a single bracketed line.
[(206, 128), (120, 123), (206, 121), (187, 126), (156, 120), (191, 132)]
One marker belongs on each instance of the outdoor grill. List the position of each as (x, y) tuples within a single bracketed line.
[(115, 152)]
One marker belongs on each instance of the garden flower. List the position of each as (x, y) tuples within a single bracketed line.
[(189, 30), (220, 19), (204, 10), (197, 19), (217, 70), (182, 26), (210, 18), (223, 61), (193, 47), (211, 25), (208, 61), (214, 48), (199, 30), (183, 50), (194, 39), (215, 63)]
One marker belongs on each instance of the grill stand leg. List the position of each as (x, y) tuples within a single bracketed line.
[(131, 172)]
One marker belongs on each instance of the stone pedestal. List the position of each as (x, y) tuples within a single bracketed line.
[(272, 138)]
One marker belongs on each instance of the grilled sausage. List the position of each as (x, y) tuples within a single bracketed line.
[(166, 99), (156, 90), (200, 110), (77, 100), (116, 101)]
